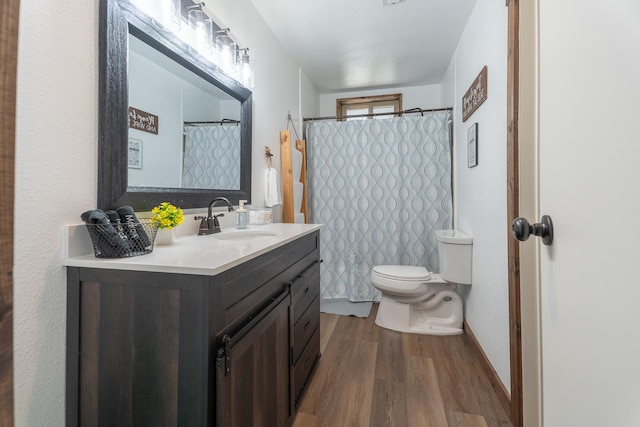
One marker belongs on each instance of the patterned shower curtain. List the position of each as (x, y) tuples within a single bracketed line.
[(381, 188), (212, 157)]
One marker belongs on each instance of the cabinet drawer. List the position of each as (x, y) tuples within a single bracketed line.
[(305, 326), (304, 289), (302, 370)]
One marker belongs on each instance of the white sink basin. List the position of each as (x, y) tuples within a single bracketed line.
[(245, 235)]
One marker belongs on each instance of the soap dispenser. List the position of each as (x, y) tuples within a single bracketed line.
[(242, 215)]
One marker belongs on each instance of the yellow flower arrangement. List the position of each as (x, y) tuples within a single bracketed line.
[(167, 216)]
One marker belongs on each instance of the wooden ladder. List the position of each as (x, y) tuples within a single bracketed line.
[(286, 155)]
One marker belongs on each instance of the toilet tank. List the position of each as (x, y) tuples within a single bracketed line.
[(454, 253)]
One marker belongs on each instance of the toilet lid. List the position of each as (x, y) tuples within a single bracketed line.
[(407, 273)]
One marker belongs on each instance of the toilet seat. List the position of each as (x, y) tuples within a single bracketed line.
[(402, 272), (403, 280)]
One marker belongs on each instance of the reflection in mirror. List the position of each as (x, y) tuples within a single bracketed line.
[(173, 127), (212, 155), (195, 138)]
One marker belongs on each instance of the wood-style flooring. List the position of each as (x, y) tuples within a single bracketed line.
[(373, 377)]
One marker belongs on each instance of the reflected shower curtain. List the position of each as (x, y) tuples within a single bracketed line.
[(212, 157), (381, 188)]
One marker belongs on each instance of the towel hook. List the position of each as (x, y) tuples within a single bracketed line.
[(268, 156)]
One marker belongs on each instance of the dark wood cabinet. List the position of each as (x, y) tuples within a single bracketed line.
[(167, 349)]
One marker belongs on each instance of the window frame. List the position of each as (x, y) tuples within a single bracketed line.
[(343, 105)]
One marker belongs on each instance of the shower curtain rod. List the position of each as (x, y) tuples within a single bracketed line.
[(220, 122), (413, 110)]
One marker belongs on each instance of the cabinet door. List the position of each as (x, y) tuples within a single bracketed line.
[(138, 353), (252, 371)]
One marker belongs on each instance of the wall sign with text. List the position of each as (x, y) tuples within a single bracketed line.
[(475, 95), (143, 121)]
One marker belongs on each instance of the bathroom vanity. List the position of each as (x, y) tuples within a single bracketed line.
[(214, 330)]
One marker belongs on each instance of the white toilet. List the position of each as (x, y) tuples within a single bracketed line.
[(417, 301)]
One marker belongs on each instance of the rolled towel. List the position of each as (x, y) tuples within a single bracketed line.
[(114, 218), (133, 229), (104, 235)]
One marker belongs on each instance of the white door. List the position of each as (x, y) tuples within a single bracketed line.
[(589, 183)]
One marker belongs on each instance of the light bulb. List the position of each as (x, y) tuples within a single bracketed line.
[(168, 14), (228, 51), (201, 30), (164, 13), (247, 71)]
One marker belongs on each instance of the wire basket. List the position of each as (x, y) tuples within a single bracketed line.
[(123, 240)]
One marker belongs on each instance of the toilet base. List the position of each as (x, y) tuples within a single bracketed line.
[(441, 314)]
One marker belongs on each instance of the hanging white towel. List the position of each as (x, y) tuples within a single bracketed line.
[(271, 191)]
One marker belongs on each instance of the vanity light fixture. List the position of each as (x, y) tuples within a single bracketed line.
[(216, 46), (201, 28), (247, 68)]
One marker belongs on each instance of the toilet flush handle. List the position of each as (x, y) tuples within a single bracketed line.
[(521, 229)]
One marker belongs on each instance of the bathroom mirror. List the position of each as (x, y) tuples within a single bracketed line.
[(155, 159)]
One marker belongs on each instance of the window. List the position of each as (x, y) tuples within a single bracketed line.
[(364, 105)]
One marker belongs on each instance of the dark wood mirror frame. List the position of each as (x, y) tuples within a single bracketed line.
[(117, 20)]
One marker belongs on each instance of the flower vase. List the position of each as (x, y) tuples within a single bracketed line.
[(164, 236)]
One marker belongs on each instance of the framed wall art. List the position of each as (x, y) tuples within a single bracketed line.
[(472, 145), (475, 95), (135, 153)]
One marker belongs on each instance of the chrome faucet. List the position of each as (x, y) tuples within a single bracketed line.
[(210, 224)]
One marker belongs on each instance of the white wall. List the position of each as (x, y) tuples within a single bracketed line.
[(56, 169), (480, 192), (427, 96), (56, 155), (309, 99)]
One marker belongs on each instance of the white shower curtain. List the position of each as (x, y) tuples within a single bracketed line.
[(212, 157), (381, 188)]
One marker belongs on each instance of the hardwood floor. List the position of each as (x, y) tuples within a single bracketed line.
[(372, 377)]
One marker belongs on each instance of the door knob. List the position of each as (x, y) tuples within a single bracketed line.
[(521, 229)]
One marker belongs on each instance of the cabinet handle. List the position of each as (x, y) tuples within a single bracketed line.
[(306, 362), (301, 275), (306, 325), (306, 291)]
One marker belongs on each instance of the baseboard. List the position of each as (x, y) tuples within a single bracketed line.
[(501, 391)]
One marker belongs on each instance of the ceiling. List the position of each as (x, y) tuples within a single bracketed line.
[(346, 45)]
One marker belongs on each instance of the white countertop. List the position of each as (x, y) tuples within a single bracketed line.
[(203, 255)]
